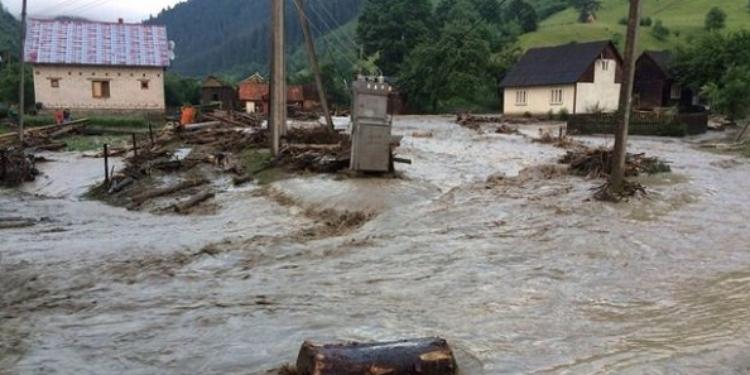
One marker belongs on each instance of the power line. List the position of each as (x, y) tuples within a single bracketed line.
[(328, 42), (333, 19)]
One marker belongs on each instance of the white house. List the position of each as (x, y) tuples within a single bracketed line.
[(96, 66), (577, 78)]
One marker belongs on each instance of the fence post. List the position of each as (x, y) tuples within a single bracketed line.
[(135, 147), (106, 164)]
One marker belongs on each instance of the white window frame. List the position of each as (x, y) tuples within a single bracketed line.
[(522, 97), (556, 97), (675, 92)]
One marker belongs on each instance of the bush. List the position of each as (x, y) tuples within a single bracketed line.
[(716, 19), (624, 21), (563, 115), (646, 22), (660, 32)]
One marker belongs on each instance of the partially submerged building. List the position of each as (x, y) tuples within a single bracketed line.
[(215, 90), (574, 78), (97, 66), (253, 95), (655, 86)]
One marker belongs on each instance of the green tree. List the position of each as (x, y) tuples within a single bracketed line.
[(705, 59), (523, 13), (393, 28), (180, 90), (731, 95), (455, 67), (716, 19), (10, 79), (659, 31), (586, 9)]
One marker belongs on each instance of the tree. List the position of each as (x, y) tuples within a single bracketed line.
[(659, 31), (586, 9), (706, 59), (524, 14), (731, 95), (453, 67), (9, 82), (393, 28), (716, 19)]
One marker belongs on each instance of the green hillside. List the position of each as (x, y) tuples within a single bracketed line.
[(684, 18)]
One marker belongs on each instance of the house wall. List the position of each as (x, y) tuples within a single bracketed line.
[(604, 92), (538, 100), (75, 88)]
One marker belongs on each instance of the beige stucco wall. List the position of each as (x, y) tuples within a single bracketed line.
[(603, 91), (578, 98), (538, 100), (75, 88)]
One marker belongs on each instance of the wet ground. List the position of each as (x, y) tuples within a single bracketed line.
[(521, 275)]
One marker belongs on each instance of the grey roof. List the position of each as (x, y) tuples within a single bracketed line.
[(662, 58), (558, 65)]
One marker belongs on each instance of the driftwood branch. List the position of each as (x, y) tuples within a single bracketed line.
[(428, 356)]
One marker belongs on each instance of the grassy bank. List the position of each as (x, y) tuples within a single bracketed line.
[(684, 18)]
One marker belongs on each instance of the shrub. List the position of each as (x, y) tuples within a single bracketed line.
[(646, 22), (624, 21), (716, 19), (563, 115), (659, 31)]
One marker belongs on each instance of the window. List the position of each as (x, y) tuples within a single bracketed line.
[(100, 89), (144, 85), (605, 64), (675, 92), (54, 82), (556, 96), (521, 97)]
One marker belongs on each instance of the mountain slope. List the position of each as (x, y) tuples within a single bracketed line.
[(10, 30), (684, 18), (232, 36)]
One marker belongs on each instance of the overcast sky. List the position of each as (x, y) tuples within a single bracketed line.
[(99, 10)]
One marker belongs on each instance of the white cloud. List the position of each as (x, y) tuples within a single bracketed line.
[(99, 10)]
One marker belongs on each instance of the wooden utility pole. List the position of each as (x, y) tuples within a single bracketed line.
[(310, 44), (277, 123), (22, 85), (617, 178)]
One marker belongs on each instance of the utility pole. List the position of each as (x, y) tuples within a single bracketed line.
[(277, 123), (310, 44), (22, 85), (617, 178)]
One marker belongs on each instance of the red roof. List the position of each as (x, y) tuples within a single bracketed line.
[(96, 43)]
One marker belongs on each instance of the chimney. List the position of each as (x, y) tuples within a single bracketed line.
[(120, 21)]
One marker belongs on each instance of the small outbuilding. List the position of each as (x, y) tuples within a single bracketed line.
[(214, 90), (655, 86), (574, 78)]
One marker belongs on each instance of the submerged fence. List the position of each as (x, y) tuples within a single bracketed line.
[(642, 123)]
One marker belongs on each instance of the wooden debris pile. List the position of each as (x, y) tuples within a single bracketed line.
[(475, 122), (235, 118), (597, 163), (507, 129), (44, 138), (561, 140), (16, 167), (318, 149)]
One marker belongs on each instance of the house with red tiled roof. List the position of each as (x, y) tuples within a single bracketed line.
[(98, 67)]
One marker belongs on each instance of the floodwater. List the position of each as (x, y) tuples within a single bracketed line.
[(521, 275)]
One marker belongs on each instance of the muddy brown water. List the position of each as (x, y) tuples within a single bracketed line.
[(520, 278)]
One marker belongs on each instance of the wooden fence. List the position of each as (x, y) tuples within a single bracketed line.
[(642, 123)]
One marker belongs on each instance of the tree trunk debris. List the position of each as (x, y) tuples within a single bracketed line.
[(195, 200), (151, 194), (427, 356)]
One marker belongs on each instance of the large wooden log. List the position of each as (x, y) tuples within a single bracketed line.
[(143, 197), (195, 200), (427, 356)]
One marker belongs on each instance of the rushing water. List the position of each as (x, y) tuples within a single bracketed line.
[(520, 277)]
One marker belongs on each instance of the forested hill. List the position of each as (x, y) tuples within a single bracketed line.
[(232, 36), (9, 31)]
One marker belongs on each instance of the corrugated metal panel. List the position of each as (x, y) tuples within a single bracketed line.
[(94, 43)]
